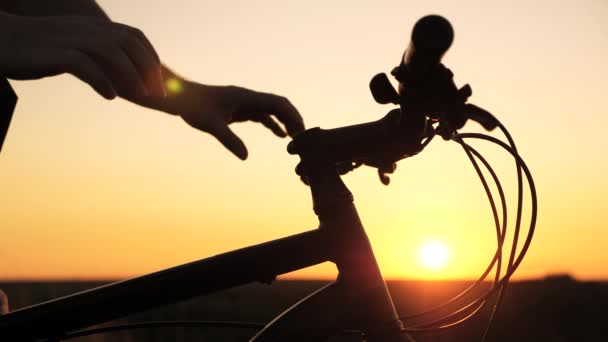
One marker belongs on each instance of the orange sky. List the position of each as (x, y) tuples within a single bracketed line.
[(95, 188)]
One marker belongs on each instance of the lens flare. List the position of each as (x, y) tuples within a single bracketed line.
[(174, 86)]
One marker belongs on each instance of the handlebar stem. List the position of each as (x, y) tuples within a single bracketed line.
[(351, 250)]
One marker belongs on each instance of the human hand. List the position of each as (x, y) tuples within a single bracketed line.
[(212, 108), (114, 59)]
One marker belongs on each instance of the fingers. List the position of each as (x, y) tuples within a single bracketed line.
[(148, 69), (85, 69), (112, 58), (231, 141), (269, 122), (280, 107), (124, 74), (144, 57), (126, 57), (143, 39)]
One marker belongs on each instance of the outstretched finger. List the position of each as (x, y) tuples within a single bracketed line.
[(271, 124), (231, 141), (284, 110)]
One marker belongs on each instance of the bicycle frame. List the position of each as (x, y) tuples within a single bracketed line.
[(340, 238)]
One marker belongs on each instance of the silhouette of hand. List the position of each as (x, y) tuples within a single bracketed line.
[(113, 58), (213, 108)]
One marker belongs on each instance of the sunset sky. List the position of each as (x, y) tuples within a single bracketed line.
[(105, 189)]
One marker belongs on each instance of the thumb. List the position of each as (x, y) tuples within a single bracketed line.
[(231, 141)]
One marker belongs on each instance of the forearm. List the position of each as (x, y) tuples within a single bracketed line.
[(46, 8), (91, 8), (77, 37)]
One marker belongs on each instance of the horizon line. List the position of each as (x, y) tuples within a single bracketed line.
[(548, 277)]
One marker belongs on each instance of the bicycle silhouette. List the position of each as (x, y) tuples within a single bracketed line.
[(358, 301)]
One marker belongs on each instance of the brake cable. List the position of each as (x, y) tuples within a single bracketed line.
[(501, 233), (498, 286), (451, 320)]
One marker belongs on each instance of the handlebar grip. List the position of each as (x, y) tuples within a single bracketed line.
[(346, 143), (387, 138), (401, 132), (431, 37), (481, 116)]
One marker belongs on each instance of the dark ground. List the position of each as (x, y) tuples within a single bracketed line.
[(552, 309)]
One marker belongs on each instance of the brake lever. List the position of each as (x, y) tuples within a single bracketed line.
[(473, 112), (482, 116), (457, 116)]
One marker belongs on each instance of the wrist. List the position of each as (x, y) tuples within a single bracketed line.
[(178, 93)]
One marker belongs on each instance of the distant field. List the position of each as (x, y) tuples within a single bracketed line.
[(553, 309)]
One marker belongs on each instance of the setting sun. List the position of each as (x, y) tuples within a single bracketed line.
[(79, 173), (434, 254)]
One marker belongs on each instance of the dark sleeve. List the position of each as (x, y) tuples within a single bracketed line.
[(8, 100), (48, 8)]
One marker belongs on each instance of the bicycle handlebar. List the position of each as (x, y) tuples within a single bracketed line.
[(367, 143), (432, 36), (427, 95)]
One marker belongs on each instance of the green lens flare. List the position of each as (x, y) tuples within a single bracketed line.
[(174, 86)]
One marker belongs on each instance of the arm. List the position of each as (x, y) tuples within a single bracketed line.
[(208, 108), (47, 8)]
